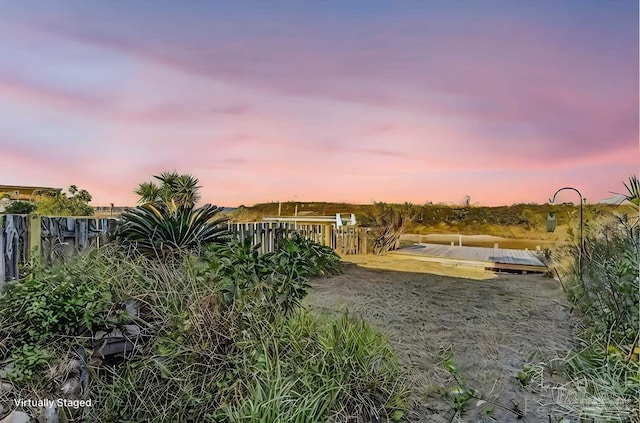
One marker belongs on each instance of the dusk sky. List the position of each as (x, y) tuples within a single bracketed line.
[(504, 101)]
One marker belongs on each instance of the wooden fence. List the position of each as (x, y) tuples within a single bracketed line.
[(345, 239), (23, 237), (263, 233), (350, 240)]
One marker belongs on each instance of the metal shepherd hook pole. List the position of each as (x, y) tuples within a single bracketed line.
[(552, 200)]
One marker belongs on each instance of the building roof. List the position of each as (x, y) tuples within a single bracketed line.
[(25, 189)]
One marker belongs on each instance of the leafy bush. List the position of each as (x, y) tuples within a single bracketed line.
[(607, 288), (63, 300), (604, 285), (295, 260), (284, 273), (160, 231), (238, 265), (20, 207), (49, 310), (303, 258), (58, 203)]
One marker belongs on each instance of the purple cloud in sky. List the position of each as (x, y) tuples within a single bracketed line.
[(335, 101)]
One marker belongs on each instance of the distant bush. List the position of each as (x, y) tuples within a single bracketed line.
[(21, 207), (517, 220), (388, 222), (58, 203)]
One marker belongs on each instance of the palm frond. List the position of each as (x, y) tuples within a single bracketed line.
[(633, 190)]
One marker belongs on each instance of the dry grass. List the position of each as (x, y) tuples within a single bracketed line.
[(492, 326), (401, 263)]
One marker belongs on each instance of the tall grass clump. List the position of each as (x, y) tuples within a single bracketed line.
[(302, 368), (605, 289)]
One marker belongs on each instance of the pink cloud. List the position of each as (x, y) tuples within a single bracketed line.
[(279, 116)]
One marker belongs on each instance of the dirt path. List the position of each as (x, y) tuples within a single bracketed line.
[(492, 327)]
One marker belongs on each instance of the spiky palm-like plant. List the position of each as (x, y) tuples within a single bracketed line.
[(184, 190), (159, 231), (148, 192), (175, 190), (633, 190)]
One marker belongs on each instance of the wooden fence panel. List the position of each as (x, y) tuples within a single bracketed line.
[(319, 233), (65, 236), (264, 233), (14, 245), (3, 271), (50, 238), (350, 240)]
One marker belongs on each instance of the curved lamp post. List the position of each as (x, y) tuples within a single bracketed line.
[(552, 200)]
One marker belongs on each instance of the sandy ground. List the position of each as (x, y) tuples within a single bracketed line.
[(493, 325)]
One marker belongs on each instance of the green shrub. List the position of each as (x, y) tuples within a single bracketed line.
[(302, 258), (27, 362), (604, 286), (21, 207), (607, 287), (606, 291), (281, 275), (64, 300), (238, 266), (161, 231), (245, 361), (293, 263)]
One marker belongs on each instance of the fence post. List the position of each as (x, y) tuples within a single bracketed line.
[(35, 239), (327, 235), (3, 269)]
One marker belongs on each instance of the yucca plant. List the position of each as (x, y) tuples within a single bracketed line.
[(159, 231), (175, 190)]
